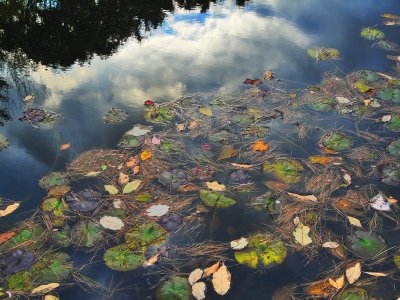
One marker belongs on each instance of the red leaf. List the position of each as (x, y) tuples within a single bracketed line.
[(148, 102), (253, 82)]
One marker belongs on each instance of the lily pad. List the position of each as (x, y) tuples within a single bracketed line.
[(145, 235), (368, 245), (222, 136), (32, 236), (368, 76), (337, 141), (388, 173), (159, 114), (86, 234), (267, 202), (122, 258), (115, 116), (394, 148), (394, 123), (256, 131), (176, 288), (171, 222), (56, 207), (52, 267), (60, 238), (3, 142), (287, 170), (372, 34), (17, 261), (355, 293), (173, 179), (323, 53), (37, 116), (262, 251), (53, 179), (130, 142), (324, 105), (239, 177), (85, 200), (214, 199), (396, 259), (21, 281), (390, 94), (169, 146)]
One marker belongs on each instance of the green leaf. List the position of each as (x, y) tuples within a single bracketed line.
[(131, 186), (214, 199), (112, 190)]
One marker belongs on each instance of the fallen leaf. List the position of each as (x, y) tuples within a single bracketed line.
[(193, 124), (241, 166), (253, 82), (379, 202), (131, 186), (50, 297), (211, 270), (342, 100), (145, 155), (321, 288), (28, 98), (376, 274), (117, 203), (354, 221), (136, 169), (392, 200), (215, 186), (321, 160), (390, 16), (330, 245), (227, 152), (65, 146), (112, 223), (155, 140), (123, 178), (92, 174), (187, 188), (260, 146), (239, 244), (347, 178), (112, 190), (276, 185), (199, 290), (328, 151), (151, 261), (9, 209), (139, 130), (148, 102), (206, 111), (45, 288), (353, 272), (304, 198), (195, 276), (301, 234), (157, 210), (131, 162), (337, 283), (386, 118), (222, 280), (59, 191), (180, 127), (292, 95), (268, 75), (4, 237), (367, 102)]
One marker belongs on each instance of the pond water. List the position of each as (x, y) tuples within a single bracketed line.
[(81, 58)]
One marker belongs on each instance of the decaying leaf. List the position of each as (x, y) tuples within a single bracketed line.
[(92, 174), (337, 283), (304, 198), (239, 244), (301, 234), (211, 270), (227, 152), (241, 166), (112, 190), (330, 245), (195, 276), (376, 274), (321, 289), (222, 280), (322, 160), (151, 261), (123, 178), (112, 223), (386, 118), (4, 237), (268, 75), (206, 111), (9, 209), (354, 221), (199, 290), (188, 188), (260, 146), (215, 186), (157, 210), (353, 272), (45, 288)]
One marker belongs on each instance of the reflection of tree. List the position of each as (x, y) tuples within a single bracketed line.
[(59, 32)]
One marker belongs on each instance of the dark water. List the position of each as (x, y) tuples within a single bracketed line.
[(80, 58)]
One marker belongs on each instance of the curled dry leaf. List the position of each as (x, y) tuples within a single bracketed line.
[(151, 261), (199, 290), (45, 288), (9, 209), (215, 186), (354, 221), (353, 272), (92, 174), (195, 276), (112, 223), (241, 166), (376, 274), (211, 270), (222, 280), (304, 198), (337, 283), (330, 245), (268, 75), (239, 244)]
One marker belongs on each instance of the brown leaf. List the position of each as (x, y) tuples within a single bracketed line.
[(242, 166), (65, 146), (328, 151), (188, 188), (253, 82), (59, 191), (227, 152), (4, 237), (45, 288), (276, 185), (303, 198), (151, 261), (211, 270), (321, 289), (268, 75)]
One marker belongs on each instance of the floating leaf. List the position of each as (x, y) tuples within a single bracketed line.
[(176, 288), (323, 53), (146, 155), (45, 288), (353, 272), (322, 160), (157, 210), (353, 294), (330, 245), (287, 170), (139, 130), (372, 34), (215, 186), (198, 290), (303, 198), (211, 270), (379, 202), (195, 276), (131, 186), (337, 141), (321, 289), (354, 221), (112, 223), (227, 152), (337, 283), (112, 190), (4, 237), (122, 258), (115, 116), (394, 148), (365, 244), (301, 234), (3, 142), (239, 244), (86, 234), (206, 111), (377, 274), (260, 146), (145, 235), (65, 146), (214, 199), (9, 209), (222, 280)]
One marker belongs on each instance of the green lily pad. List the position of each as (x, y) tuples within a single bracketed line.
[(323, 53), (324, 105), (115, 116), (122, 258), (394, 123), (222, 136), (54, 267), (116, 212), (256, 131), (337, 141), (159, 114), (243, 119), (176, 288), (396, 259), (21, 281), (214, 199), (3, 142), (267, 202), (372, 34), (130, 141), (53, 179), (368, 245), (56, 207), (353, 294), (145, 235), (169, 146), (262, 251), (287, 170), (60, 238), (32, 236), (394, 148), (390, 94), (86, 234), (368, 76)]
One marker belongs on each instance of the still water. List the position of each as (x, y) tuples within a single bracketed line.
[(80, 58)]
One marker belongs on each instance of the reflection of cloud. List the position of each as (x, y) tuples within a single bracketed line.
[(219, 52)]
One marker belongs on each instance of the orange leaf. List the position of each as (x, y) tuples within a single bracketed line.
[(123, 178), (322, 160), (59, 191), (211, 270), (65, 146), (145, 155), (328, 151), (131, 163), (260, 146), (136, 169), (151, 261), (321, 288), (4, 237)]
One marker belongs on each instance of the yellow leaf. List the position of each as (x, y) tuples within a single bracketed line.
[(9, 209), (112, 190), (353, 272), (206, 111), (227, 152), (328, 151), (241, 166), (193, 124), (322, 160), (195, 276), (337, 283), (50, 297), (45, 288), (367, 102), (65, 146), (321, 289), (354, 221), (260, 146), (376, 274), (198, 290), (145, 155), (180, 127), (222, 280), (151, 261), (301, 234), (304, 198), (131, 186), (215, 186), (123, 178), (391, 16), (268, 75), (292, 95), (92, 174)]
